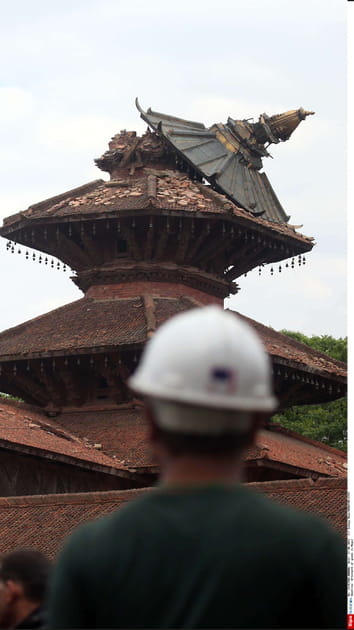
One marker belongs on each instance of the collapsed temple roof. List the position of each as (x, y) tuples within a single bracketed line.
[(230, 155)]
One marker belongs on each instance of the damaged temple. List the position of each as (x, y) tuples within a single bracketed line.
[(186, 211)]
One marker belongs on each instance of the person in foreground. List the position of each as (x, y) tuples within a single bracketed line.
[(201, 550), (24, 578)]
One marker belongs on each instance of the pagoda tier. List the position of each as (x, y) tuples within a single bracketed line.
[(82, 353), (151, 222)]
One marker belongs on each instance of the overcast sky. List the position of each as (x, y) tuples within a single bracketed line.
[(70, 72)]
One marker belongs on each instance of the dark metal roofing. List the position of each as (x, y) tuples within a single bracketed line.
[(222, 167)]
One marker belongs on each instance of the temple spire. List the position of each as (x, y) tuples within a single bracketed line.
[(279, 127)]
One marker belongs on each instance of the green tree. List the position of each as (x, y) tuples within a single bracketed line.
[(326, 422)]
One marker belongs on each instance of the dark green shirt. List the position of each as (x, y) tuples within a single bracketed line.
[(210, 557)]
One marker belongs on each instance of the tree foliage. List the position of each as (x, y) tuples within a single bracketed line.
[(326, 422)]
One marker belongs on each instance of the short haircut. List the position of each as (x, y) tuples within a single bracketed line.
[(28, 567), (189, 429), (194, 444)]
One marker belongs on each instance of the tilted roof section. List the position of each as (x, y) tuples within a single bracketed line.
[(229, 156), (43, 522)]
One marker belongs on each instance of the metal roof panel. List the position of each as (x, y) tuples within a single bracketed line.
[(222, 164)]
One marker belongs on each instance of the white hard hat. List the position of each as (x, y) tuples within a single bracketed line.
[(206, 357)]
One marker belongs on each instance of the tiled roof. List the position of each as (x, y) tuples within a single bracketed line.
[(172, 190), (325, 497), (281, 446), (43, 522), (24, 426), (83, 324), (284, 347), (91, 323), (123, 433)]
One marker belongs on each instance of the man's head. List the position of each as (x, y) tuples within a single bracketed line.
[(207, 381), (23, 581)]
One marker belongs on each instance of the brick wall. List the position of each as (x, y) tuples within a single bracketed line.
[(160, 289)]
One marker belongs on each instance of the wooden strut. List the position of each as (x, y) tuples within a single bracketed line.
[(213, 252), (149, 308), (50, 384), (197, 243), (79, 257), (114, 380), (149, 241), (285, 399), (184, 241), (130, 237), (90, 247), (72, 386), (29, 386), (161, 245), (247, 265)]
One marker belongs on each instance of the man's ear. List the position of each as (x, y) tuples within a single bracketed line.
[(14, 591)]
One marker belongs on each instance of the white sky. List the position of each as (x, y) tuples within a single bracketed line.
[(70, 72)]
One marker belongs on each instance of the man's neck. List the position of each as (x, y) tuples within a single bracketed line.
[(23, 610), (187, 470)]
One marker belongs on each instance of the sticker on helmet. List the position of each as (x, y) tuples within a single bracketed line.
[(222, 380)]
